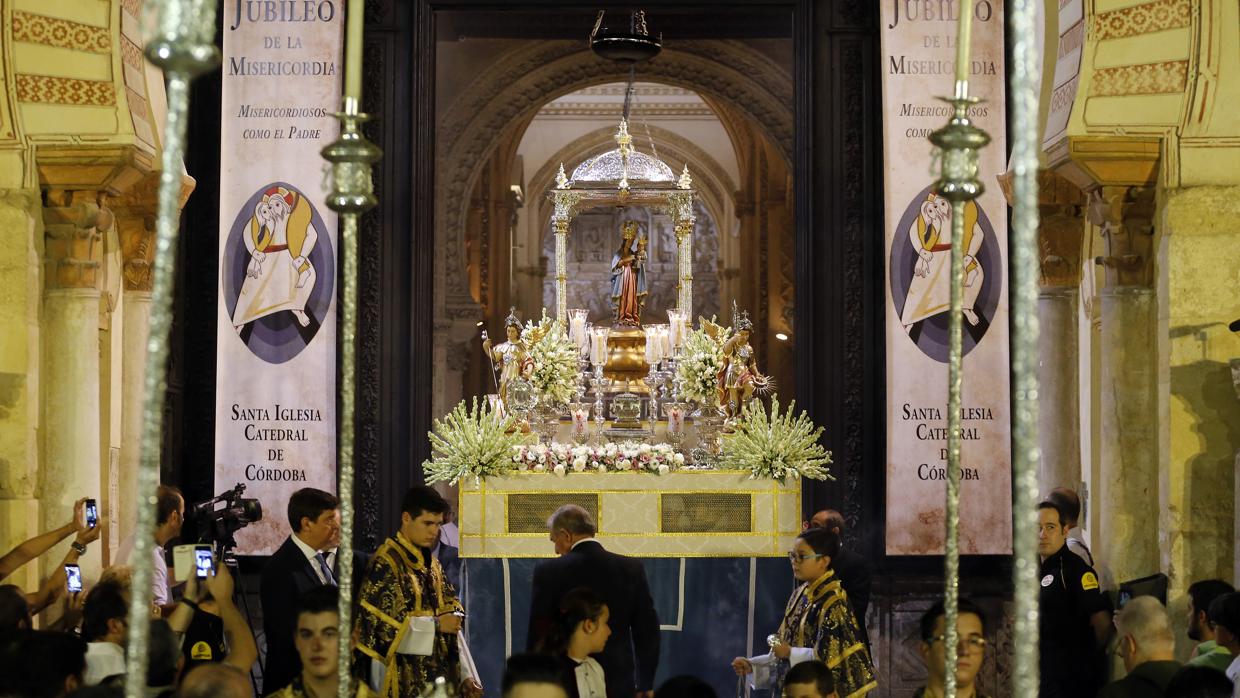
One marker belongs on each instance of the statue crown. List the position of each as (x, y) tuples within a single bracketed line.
[(512, 320)]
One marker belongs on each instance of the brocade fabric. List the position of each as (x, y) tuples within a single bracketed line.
[(818, 617), (398, 584)]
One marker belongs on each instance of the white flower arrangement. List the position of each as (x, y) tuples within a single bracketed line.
[(699, 362), (777, 446), (555, 360), (471, 440), (562, 459)]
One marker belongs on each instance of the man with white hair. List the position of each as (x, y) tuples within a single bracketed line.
[(1147, 646)]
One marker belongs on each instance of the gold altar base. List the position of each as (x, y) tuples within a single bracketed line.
[(626, 356), (686, 513)]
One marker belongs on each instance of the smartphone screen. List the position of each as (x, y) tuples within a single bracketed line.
[(73, 577), (92, 513), (203, 560)]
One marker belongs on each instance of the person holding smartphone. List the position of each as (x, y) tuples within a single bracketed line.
[(35, 547), (55, 585), (208, 599)]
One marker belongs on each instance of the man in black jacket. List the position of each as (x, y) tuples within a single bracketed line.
[(298, 566), (853, 570), (632, 653)]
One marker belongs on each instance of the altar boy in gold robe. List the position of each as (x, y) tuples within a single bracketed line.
[(818, 624), (409, 617)]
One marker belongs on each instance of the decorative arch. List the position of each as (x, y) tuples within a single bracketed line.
[(709, 179), (518, 83)]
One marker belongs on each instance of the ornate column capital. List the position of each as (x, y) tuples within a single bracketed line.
[(73, 222), (135, 226), (1126, 216), (1061, 227)]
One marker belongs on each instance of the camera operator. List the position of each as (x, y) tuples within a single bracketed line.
[(298, 566)]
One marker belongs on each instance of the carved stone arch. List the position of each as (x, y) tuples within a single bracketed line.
[(518, 83)]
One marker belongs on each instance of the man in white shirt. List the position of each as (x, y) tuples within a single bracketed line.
[(105, 629), (170, 516)]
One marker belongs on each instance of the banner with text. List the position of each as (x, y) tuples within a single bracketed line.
[(275, 404), (919, 62)]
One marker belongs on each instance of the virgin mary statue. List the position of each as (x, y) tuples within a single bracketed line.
[(628, 278)]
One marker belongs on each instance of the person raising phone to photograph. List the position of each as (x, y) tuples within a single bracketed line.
[(206, 607), (84, 532)]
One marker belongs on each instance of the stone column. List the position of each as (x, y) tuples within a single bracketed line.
[(136, 228), (1128, 516), (1060, 231), (72, 460), (20, 291)]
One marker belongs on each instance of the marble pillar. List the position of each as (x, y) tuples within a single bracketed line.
[(72, 458), (1128, 386), (135, 225), (136, 319), (1059, 430), (1128, 434), (20, 249)]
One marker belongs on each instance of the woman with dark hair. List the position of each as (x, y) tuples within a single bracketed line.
[(581, 630), (818, 624)]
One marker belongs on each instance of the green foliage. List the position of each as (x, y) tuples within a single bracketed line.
[(471, 440), (777, 445)]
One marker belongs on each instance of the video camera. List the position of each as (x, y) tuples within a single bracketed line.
[(218, 524)]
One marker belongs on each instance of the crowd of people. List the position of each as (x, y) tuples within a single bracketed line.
[(593, 628)]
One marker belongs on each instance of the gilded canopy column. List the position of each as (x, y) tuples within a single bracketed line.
[(21, 246), (683, 218), (561, 274), (72, 461), (1128, 447)]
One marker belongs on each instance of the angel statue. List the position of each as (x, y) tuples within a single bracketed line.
[(628, 277), (738, 376), (511, 359)]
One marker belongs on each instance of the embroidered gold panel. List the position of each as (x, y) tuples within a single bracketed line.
[(682, 514)]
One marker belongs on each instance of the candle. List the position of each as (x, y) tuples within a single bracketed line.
[(577, 327), (580, 416), (675, 419), (598, 352), (673, 317), (964, 31), (651, 349), (353, 52)]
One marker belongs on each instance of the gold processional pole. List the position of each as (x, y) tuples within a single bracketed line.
[(183, 47), (1025, 86), (351, 157), (958, 142)]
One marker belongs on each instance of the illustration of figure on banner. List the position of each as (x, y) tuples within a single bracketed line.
[(279, 275), (921, 272), (278, 272)]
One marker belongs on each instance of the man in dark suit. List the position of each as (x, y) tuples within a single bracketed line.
[(632, 653), (853, 570), (298, 566)]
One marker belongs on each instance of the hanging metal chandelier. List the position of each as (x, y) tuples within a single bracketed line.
[(629, 44)]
